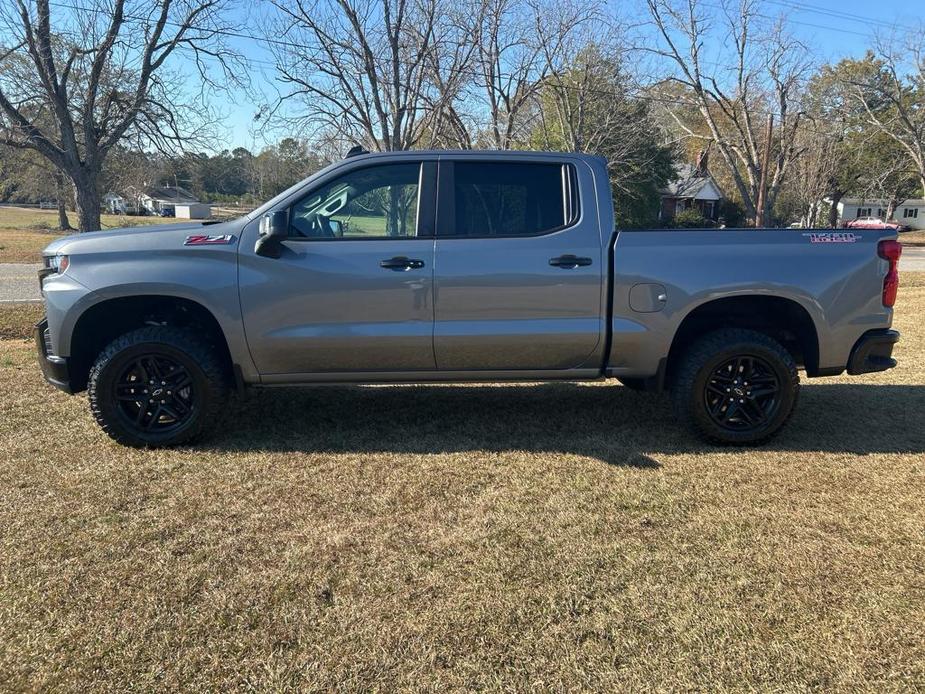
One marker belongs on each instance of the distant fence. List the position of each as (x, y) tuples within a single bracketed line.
[(232, 211), (217, 211), (44, 205)]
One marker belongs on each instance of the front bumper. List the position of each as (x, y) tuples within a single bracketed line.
[(873, 352), (54, 368)]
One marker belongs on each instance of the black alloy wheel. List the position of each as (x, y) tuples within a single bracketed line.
[(158, 386), (742, 393), (735, 386), (155, 394)]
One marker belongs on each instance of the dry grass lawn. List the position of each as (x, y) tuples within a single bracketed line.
[(25, 231), (913, 238), (550, 537)]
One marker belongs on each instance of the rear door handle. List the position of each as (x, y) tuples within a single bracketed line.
[(569, 262), (401, 263)]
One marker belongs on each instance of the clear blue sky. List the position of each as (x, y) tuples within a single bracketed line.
[(832, 29)]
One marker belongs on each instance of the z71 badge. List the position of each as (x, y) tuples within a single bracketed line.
[(832, 237), (205, 240)]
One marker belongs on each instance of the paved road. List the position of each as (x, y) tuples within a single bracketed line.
[(19, 281), (912, 260)]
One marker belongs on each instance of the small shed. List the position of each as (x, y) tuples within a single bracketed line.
[(193, 210)]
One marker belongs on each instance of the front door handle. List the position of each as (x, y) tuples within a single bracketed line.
[(401, 263), (569, 262)]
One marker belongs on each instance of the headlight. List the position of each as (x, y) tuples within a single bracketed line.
[(57, 263)]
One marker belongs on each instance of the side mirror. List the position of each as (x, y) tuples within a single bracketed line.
[(274, 228), (337, 228)]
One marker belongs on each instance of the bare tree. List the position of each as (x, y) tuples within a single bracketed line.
[(517, 46), (815, 176), (27, 175), (768, 72), (354, 68), (892, 93), (587, 105), (131, 173), (453, 122), (74, 88), (832, 142), (890, 176), (585, 64)]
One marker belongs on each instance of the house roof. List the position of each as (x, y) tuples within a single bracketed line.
[(865, 202), (690, 183), (170, 195)]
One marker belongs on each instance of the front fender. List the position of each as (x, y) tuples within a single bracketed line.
[(206, 276)]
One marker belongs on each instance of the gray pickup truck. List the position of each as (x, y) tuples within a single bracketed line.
[(459, 266)]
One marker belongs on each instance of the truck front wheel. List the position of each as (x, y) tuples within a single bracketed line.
[(736, 387), (156, 386)]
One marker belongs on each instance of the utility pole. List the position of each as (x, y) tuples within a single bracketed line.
[(763, 179)]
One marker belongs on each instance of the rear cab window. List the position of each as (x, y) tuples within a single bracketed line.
[(504, 199)]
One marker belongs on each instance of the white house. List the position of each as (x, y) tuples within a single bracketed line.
[(910, 212), (114, 203), (193, 210), (157, 198)]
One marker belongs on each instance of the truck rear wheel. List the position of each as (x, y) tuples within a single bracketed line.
[(156, 386), (736, 387)]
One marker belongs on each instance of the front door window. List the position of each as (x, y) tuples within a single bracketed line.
[(375, 202)]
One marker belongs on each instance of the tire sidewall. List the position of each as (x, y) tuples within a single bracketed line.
[(101, 390), (789, 393)]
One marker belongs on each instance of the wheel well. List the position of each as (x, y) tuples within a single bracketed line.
[(781, 319), (104, 322)]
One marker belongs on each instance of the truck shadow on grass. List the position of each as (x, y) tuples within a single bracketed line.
[(609, 423)]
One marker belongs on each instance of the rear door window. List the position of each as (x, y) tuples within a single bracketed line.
[(511, 199)]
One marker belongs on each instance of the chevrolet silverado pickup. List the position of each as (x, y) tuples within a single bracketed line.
[(459, 266)]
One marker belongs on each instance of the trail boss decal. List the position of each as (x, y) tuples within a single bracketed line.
[(206, 240), (832, 237)]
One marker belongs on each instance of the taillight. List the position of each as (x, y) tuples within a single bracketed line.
[(890, 251)]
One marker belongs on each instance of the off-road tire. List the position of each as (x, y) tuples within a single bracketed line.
[(201, 360), (698, 365)]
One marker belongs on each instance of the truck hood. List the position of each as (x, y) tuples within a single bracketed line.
[(128, 238)]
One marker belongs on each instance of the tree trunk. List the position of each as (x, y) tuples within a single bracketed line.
[(833, 210), (64, 224), (86, 191), (891, 208), (811, 215), (393, 220)]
